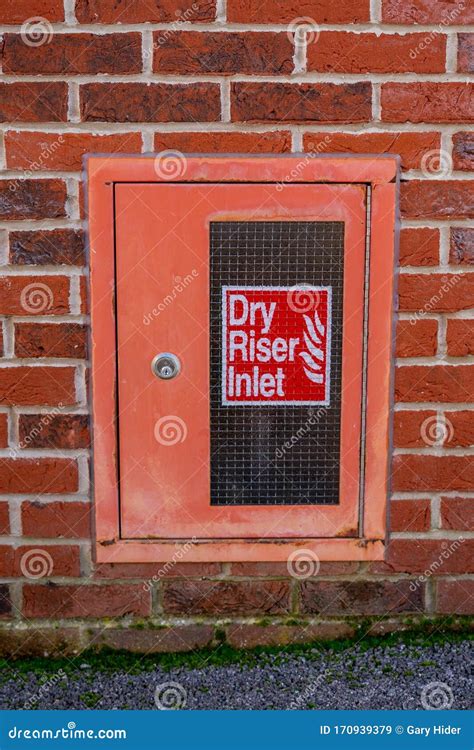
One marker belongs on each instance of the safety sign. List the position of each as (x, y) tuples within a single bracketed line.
[(276, 345)]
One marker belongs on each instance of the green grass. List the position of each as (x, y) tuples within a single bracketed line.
[(424, 634)]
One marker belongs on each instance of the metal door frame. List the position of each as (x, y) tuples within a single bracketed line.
[(381, 175)]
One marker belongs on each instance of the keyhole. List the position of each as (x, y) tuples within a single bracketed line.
[(165, 366)]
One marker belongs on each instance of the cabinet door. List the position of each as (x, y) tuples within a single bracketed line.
[(258, 291)]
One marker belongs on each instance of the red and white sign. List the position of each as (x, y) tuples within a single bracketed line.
[(276, 345)]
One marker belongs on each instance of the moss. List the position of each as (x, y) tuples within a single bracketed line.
[(422, 634), (90, 698)]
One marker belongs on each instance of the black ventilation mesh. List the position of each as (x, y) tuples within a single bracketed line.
[(283, 454)]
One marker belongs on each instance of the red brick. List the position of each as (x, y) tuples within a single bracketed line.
[(419, 247), (3, 430), (151, 573), (444, 12), (115, 600), (427, 102), (461, 250), (457, 513), (437, 199), (50, 340), (33, 102), (5, 602), (29, 475), (237, 143), (346, 52), (174, 639), (57, 519), (417, 338), (39, 562), (320, 11), (251, 636), (197, 52), (410, 515), (434, 383), (421, 473), (141, 11), (34, 295), (18, 11), (460, 337), (288, 102), (47, 247), (32, 199), (438, 556), (461, 428), (65, 431), (156, 102), (30, 386), (44, 642), (69, 54), (281, 569), (413, 429), (436, 292), (463, 151), (359, 597), (410, 146), (84, 295), (4, 518), (466, 52), (226, 597), (63, 151), (455, 597)]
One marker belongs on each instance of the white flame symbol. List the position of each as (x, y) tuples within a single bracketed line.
[(312, 337)]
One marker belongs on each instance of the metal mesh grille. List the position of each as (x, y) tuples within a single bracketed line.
[(282, 454)]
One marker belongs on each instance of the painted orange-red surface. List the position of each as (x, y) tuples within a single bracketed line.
[(146, 531), (163, 235)]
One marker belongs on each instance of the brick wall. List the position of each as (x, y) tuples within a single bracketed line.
[(135, 77)]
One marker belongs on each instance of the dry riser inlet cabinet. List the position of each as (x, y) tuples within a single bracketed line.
[(241, 355)]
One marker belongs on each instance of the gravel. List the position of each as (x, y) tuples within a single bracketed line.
[(382, 677)]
